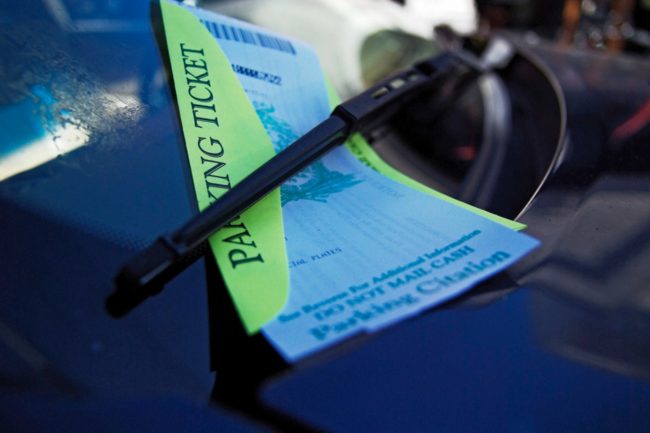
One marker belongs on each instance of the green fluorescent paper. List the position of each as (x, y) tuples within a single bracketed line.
[(225, 142)]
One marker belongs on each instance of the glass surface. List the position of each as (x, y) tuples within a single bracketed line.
[(91, 170)]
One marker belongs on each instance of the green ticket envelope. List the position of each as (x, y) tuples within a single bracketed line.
[(225, 142)]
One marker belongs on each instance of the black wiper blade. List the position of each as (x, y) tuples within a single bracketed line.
[(148, 272)]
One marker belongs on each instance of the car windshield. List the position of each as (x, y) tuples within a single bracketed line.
[(93, 168)]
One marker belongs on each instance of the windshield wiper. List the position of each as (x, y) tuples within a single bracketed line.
[(147, 273)]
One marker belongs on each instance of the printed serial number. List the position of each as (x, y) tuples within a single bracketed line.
[(258, 75)]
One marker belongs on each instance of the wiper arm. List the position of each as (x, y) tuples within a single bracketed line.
[(148, 272)]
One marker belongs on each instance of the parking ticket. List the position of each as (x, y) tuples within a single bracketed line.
[(363, 250)]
